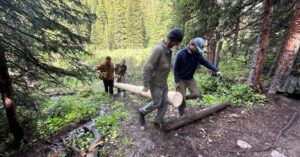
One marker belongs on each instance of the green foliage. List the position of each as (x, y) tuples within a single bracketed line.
[(62, 112), (130, 23), (107, 125), (222, 90)]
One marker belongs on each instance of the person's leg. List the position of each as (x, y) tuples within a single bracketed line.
[(156, 93), (182, 89), (194, 92), (111, 86), (119, 81), (163, 107), (105, 85)]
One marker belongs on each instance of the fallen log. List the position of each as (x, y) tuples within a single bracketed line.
[(175, 98), (92, 151), (187, 119)]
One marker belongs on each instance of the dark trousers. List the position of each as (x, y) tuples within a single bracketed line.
[(109, 84)]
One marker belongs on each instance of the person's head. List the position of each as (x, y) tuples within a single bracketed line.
[(196, 45), (174, 38), (108, 60), (122, 62)]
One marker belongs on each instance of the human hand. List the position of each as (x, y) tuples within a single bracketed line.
[(145, 89), (219, 74), (176, 85)]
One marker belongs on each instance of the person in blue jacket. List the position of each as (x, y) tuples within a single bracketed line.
[(185, 65)]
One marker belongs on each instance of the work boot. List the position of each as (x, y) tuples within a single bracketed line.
[(160, 124), (181, 108), (141, 117)]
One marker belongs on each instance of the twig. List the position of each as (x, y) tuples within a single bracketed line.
[(261, 150)]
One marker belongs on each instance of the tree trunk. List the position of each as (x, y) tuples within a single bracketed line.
[(264, 42), (221, 40), (175, 98), (254, 62), (289, 52), (187, 119), (212, 44), (235, 39), (273, 66), (8, 100)]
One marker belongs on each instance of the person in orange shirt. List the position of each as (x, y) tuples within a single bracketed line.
[(107, 68)]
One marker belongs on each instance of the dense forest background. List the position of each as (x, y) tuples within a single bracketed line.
[(48, 47)]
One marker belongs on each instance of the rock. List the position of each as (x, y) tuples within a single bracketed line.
[(243, 144), (233, 115), (275, 153)]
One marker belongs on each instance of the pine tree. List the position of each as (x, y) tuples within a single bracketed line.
[(32, 35)]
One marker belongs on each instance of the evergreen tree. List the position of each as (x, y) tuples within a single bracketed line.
[(33, 34)]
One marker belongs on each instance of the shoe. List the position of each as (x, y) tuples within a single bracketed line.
[(141, 118), (160, 124), (181, 111)]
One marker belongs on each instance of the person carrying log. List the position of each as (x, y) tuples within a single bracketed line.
[(120, 71), (155, 73), (107, 68), (185, 65)]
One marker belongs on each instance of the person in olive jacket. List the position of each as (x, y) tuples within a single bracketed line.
[(108, 80), (155, 73)]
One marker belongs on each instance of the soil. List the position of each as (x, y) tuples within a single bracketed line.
[(215, 135)]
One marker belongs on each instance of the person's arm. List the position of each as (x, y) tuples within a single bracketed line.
[(207, 64), (149, 66), (100, 66), (123, 71), (177, 64)]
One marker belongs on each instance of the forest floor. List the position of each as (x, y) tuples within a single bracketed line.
[(215, 135)]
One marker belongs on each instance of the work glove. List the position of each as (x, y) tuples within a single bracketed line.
[(145, 89), (176, 86), (219, 74)]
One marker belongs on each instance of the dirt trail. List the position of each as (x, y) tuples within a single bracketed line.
[(218, 134)]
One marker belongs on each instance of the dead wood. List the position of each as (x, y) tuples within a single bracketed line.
[(93, 149), (187, 119), (94, 146)]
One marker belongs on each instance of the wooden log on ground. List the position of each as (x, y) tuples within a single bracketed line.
[(93, 149), (187, 119), (175, 98)]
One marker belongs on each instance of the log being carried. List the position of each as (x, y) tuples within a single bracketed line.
[(175, 98)]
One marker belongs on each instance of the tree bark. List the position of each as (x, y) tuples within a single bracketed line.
[(273, 66), (289, 52), (8, 99), (264, 42), (187, 119), (212, 44), (235, 39), (221, 40)]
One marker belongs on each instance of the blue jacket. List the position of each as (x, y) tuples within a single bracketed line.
[(185, 64)]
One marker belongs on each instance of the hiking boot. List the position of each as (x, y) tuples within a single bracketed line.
[(160, 124), (181, 109), (141, 118)]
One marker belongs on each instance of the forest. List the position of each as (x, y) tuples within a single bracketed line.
[(55, 100)]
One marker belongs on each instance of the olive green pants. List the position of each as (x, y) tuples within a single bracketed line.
[(159, 101), (194, 92)]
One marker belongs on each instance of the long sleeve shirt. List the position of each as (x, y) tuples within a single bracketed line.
[(106, 68), (186, 63), (157, 68)]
